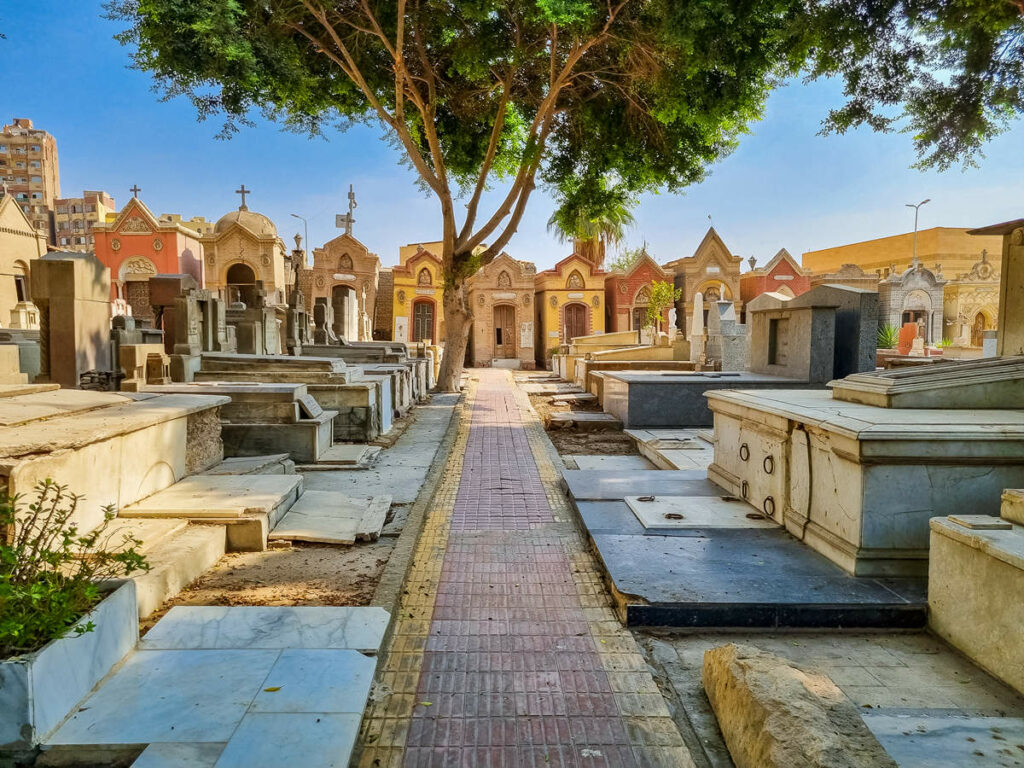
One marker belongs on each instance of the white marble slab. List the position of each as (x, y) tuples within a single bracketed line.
[(168, 696), (182, 755), (280, 627), (274, 740), (696, 512), (317, 681), (613, 463)]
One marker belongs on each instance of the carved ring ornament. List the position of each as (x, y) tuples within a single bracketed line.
[(401, 297), (554, 301), (158, 244), (596, 301), (115, 244)]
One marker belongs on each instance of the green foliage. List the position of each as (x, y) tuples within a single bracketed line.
[(945, 344), (628, 259), (50, 573), (663, 296), (888, 336)]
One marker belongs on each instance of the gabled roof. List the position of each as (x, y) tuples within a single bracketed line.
[(503, 260), (711, 237), (560, 267), (645, 258), (417, 258), (778, 258), (11, 210)]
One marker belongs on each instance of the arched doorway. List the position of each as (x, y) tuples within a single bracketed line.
[(345, 308), (423, 320), (241, 284), (640, 303), (917, 308), (575, 321), (504, 332), (978, 328)]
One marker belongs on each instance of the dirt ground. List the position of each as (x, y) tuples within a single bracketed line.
[(574, 442), (304, 574)]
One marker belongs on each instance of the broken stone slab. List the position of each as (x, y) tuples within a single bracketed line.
[(551, 389), (333, 518), (584, 420), (273, 464), (144, 533), (773, 714), (574, 397), (345, 456)]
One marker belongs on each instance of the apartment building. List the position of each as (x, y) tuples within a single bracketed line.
[(74, 218), (30, 173)]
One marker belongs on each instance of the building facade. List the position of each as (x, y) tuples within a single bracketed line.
[(242, 252), (75, 218), (569, 301), (849, 275), (31, 172), (950, 249), (344, 280), (712, 271), (913, 296), (135, 245), (971, 304), (780, 275), (501, 295), (417, 294), (627, 295), (21, 244)]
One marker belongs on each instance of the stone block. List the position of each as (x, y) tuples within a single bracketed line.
[(774, 715), (10, 365)]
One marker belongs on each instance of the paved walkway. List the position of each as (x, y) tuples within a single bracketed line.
[(506, 651)]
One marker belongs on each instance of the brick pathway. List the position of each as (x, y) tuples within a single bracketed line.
[(506, 651)]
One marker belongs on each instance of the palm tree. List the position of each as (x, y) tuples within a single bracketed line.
[(593, 224)]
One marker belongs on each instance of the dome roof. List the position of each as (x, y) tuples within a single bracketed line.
[(254, 222)]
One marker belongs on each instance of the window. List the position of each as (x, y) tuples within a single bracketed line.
[(20, 288), (20, 150), (81, 241), (35, 164), (90, 208), (3, 148), (37, 195), (63, 241), (36, 148), (21, 180), (19, 164), (36, 179)]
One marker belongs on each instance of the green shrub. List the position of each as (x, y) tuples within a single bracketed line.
[(945, 344), (888, 336), (50, 573)]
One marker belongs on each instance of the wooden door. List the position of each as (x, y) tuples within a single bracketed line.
[(978, 330), (575, 321), (504, 332), (639, 317), (423, 321)]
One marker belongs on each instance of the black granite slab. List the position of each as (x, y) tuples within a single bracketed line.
[(744, 578), (602, 485)]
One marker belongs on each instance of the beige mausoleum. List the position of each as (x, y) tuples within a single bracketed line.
[(21, 243), (501, 295), (712, 270), (344, 281)]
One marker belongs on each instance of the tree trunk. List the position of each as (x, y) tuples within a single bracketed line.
[(457, 321)]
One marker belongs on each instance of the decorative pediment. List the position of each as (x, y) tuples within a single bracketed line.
[(575, 281), (504, 280), (424, 277), (643, 296)]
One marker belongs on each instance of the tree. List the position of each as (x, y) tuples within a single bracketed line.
[(628, 259), (592, 219), (663, 296), (599, 100)]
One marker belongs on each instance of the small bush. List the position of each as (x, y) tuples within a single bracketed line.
[(888, 337), (50, 573)]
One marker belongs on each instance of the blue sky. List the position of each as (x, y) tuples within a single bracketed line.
[(784, 187)]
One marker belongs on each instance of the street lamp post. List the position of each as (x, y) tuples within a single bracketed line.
[(916, 208), (306, 225)]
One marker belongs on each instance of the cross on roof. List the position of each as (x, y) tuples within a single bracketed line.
[(346, 220), (3, 182), (243, 192), (135, 190)]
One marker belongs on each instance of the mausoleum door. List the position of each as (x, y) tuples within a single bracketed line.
[(241, 284), (504, 332), (575, 321), (639, 317), (423, 321), (978, 330)]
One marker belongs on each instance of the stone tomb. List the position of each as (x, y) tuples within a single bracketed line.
[(795, 343), (333, 384), (859, 482), (267, 418), (194, 321)]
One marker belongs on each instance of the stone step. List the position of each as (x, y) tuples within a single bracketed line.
[(149, 532), (577, 397), (333, 518), (345, 456), (177, 562), (274, 464), (1012, 507)]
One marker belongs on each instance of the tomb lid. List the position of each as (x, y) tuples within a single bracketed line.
[(989, 383)]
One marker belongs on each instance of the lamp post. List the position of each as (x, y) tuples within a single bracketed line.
[(917, 209), (306, 225)]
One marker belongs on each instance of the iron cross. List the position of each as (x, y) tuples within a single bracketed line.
[(135, 190), (243, 192)]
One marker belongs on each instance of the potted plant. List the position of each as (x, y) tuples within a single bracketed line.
[(67, 615)]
